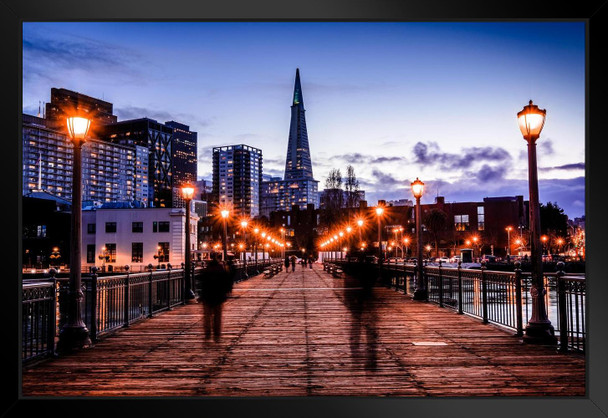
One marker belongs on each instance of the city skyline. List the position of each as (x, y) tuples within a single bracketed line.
[(395, 100)]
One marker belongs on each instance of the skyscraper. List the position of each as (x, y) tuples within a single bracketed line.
[(298, 164), (298, 186), (237, 175)]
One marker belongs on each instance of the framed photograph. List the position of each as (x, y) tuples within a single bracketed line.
[(345, 209)]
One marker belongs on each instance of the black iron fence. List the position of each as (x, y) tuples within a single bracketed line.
[(502, 298), (110, 302)]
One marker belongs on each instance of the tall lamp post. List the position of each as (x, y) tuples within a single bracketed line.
[(420, 291), (187, 193), (379, 212), (244, 224), (225, 213), (360, 225), (74, 334), (539, 330), (283, 240), (509, 229)]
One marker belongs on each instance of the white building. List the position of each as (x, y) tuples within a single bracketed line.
[(134, 237)]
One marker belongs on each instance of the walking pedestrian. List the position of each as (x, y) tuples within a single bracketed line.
[(215, 285), (287, 264), (310, 261), (293, 262)]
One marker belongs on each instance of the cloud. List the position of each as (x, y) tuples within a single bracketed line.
[(49, 54), (431, 154), (566, 167), (487, 173), (546, 147)]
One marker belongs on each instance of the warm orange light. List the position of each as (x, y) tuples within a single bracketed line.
[(225, 213), (78, 128), (379, 210), (341, 234), (531, 120), (417, 188), (509, 228), (187, 192), (544, 238), (348, 229), (360, 222), (256, 230), (244, 224)]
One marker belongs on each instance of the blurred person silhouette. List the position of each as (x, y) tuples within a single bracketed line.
[(215, 284), (310, 260), (286, 264), (359, 298), (293, 262)]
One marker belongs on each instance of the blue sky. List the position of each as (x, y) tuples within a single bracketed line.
[(398, 101)]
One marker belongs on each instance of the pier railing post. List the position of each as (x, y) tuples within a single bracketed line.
[(484, 292), (150, 292), (459, 287), (518, 304), (93, 313), (126, 301), (561, 301), (440, 281)]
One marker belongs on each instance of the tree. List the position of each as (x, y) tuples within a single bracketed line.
[(332, 199), (351, 186), (553, 220), (435, 222)]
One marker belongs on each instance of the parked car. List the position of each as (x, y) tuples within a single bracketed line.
[(444, 260)]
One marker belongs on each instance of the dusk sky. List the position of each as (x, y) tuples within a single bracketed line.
[(397, 101)]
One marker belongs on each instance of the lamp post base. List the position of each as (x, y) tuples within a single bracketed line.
[(73, 338), (190, 297), (420, 294), (540, 333)]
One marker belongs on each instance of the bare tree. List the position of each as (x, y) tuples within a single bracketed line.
[(351, 186)]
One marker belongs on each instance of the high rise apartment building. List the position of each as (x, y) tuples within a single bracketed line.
[(237, 177), (139, 160), (108, 170), (184, 169)]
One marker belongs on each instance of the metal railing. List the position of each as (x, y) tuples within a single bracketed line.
[(110, 302), (502, 298)]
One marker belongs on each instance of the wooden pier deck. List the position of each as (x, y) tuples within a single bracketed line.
[(306, 333)]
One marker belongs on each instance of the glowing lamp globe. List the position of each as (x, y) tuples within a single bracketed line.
[(531, 120), (187, 192), (78, 127), (417, 188)]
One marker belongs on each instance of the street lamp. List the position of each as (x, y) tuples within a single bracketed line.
[(74, 333), (417, 190), (225, 213), (187, 193), (544, 240), (539, 330), (283, 239), (244, 224), (379, 212), (509, 229)]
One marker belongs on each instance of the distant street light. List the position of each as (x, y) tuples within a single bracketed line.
[(187, 193), (420, 292), (244, 225), (509, 229), (539, 330), (74, 334), (225, 213)]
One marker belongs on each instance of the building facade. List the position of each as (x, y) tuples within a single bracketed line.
[(109, 171), (237, 178), (158, 140), (185, 167), (136, 237)]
